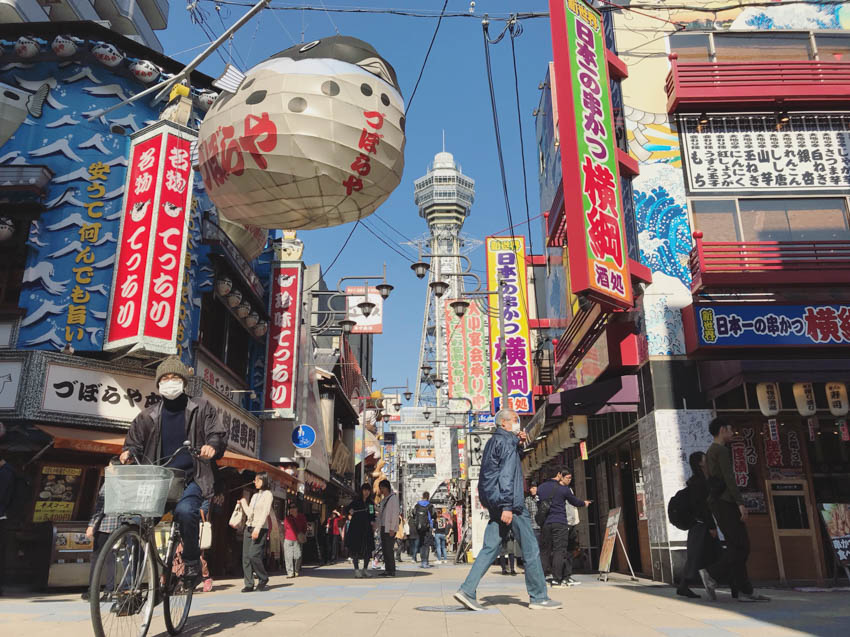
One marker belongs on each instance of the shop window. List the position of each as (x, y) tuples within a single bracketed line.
[(716, 218), (224, 337), (765, 47), (691, 47), (790, 510), (833, 47)]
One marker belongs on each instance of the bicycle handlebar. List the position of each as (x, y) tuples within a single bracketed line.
[(194, 451)]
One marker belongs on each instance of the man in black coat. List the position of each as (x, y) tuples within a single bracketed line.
[(159, 432)]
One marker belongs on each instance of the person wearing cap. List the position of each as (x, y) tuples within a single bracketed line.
[(160, 430)]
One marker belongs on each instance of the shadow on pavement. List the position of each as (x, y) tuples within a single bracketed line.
[(215, 623), (820, 614), (502, 600), (348, 574)]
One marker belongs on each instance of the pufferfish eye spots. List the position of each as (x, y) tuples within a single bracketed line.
[(256, 97), (247, 84), (330, 88), (401, 124), (384, 99), (366, 89), (297, 104)]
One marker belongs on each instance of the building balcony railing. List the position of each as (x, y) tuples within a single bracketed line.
[(754, 264), (697, 86)]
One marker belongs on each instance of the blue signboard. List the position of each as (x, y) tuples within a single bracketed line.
[(772, 325), (481, 420), (303, 437)]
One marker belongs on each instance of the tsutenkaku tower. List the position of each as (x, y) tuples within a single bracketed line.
[(444, 197)]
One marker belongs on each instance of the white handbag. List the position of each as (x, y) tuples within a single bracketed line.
[(205, 538)]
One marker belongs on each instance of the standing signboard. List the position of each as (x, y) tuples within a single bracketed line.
[(506, 264), (282, 343), (144, 304), (607, 551), (596, 240), (836, 519), (469, 374)]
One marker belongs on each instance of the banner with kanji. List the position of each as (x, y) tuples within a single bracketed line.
[(468, 361), (506, 265), (144, 304), (596, 240), (282, 343)]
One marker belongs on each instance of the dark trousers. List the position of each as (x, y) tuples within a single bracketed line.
[(188, 516), (424, 545), (733, 564), (388, 546), (558, 536), (2, 553), (702, 553), (252, 556), (335, 544), (99, 542)]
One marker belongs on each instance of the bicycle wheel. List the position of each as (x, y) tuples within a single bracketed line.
[(122, 591), (176, 598)]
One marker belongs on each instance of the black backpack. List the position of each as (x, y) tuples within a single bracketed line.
[(543, 507), (679, 510), (420, 514)]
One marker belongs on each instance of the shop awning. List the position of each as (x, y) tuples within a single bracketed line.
[(718, 377), (92, 441), (618, 394)]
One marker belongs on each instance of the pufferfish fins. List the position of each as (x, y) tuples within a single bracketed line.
[(35, 102), (230, 79)]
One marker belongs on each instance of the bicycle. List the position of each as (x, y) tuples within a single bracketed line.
[(132, 573)]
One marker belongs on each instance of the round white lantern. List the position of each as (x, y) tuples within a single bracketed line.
[(7, 229), (223, 285), (261, 328), (251, 320), (234, 298), (64, 46), (312, 138), (243, 309)]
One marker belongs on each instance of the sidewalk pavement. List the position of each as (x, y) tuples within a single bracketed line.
[(330, 602)]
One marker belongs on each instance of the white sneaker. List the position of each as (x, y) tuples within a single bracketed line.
[(549, 604), (709, 584)]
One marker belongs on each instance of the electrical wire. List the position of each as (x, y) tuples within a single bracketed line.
[(425, 61), (409, 13), (338, 254), (385, 242), (392, 227)]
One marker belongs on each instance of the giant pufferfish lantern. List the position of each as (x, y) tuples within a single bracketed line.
[(313, 137)]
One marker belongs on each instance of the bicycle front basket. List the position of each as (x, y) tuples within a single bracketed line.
[(138, 489)]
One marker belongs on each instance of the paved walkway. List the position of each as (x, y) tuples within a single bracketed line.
[(329, 602)]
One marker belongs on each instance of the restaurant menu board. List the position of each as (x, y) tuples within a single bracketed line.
[(610, 538), (58, 489), (836, 517)]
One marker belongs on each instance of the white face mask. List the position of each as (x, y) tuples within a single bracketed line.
[(171, 389), (515, 427)]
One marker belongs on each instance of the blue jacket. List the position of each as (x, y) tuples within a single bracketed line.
[(558, 494), (500, 482)]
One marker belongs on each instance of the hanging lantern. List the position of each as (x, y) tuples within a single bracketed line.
[(243, 309), (577, 428), (145, 71), (7, 229), (804, 397), (107, 54), (223, 285), (206, 99), (261, 328), (26, 47), (768, 397), (312, 138), (251, 320), (836, 394), (64, 46), (234, 298)]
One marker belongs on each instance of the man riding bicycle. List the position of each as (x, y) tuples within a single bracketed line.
[(160, 431)]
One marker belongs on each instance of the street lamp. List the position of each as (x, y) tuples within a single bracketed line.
[(460, 307), (347, 325), (408, 395), (426, 414), (438, 382), (420, 269), (366, 307), (384, 290), (439, 288), (426, 369)]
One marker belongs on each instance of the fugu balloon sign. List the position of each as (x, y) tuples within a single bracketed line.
[(312, 137)]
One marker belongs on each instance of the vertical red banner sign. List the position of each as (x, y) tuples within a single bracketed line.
[(144, 303), (282, 343)]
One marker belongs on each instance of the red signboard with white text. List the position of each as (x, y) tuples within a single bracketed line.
[(144, 304), (282, 344)]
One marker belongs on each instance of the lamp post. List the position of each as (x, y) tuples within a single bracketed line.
[(380, 405)]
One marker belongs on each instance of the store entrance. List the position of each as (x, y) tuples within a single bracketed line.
[(625, 461), (795, 528)]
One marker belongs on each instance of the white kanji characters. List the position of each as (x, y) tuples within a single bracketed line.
[(166, 235), (279, 394), (160, 313), (163, 286), (178, 158), (168, 261), (126, 312), (146, 159), (143, 183), (175, 182), (130, 286), (133, 240), (134, 261), (280, 373)]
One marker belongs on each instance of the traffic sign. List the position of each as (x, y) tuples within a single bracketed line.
[(303, 437), (303, 453)]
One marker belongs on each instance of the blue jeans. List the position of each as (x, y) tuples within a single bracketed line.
[(188, 516), (440, 540), (535, 583)]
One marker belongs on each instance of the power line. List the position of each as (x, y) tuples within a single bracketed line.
[(385, 242), (392, 227), (338, 254), (425, 61), (496, 17)]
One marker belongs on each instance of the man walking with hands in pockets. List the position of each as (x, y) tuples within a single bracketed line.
[(500, 489)]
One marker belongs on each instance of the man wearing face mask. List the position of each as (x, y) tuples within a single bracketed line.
[(160, 430)]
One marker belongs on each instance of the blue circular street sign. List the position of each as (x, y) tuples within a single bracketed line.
[(303, 437)]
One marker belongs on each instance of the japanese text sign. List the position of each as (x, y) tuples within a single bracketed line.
[(372, 324), (506, 264), (836, 518), (282, 344), (596, 239), (144, 306), (773, 325), (799, 158), (469, 372)]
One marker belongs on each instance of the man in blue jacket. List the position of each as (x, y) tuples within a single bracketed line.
[(500, 489), (556, 529)]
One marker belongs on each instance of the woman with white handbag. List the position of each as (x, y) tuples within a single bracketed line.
[(256, 533)]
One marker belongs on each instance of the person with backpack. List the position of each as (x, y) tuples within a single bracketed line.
[(554, 494), (423, 515), (694, 513)]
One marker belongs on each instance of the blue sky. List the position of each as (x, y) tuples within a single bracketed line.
[(452, 96)]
